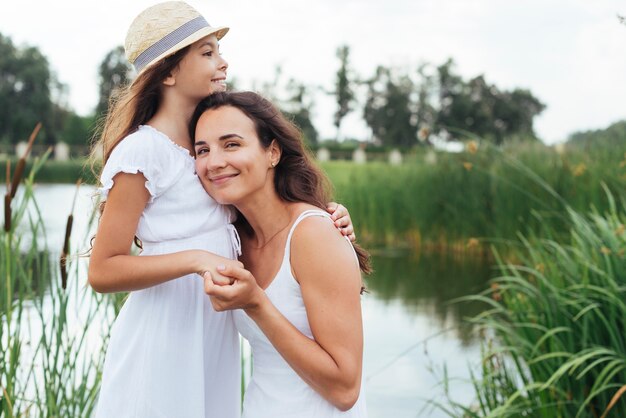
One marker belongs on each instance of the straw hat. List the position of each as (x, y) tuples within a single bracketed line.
[(163, 29)]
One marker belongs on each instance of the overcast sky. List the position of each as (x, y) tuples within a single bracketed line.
[(569, 53)]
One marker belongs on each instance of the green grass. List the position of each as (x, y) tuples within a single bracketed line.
[(556, 326), (490, 194)]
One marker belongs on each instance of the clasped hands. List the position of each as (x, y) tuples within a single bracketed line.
[(239, 291)]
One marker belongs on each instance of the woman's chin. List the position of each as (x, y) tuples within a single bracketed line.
[(222, 199)]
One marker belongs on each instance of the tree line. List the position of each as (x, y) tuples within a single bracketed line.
[(402, 108)]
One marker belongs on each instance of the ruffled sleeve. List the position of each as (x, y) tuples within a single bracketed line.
[(144, 152)]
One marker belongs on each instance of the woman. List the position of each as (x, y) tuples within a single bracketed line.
[(170, 354), (300, 295)]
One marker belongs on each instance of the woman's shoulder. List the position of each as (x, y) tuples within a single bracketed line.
[(317, 246), (312, 225)]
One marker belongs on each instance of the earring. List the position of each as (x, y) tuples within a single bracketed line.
[(273, 165)]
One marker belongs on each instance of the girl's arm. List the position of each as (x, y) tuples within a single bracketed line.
[(341, 217), (113, 269), (328, 273)]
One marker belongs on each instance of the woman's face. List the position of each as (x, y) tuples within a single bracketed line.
[(202, 70), (230, 161)]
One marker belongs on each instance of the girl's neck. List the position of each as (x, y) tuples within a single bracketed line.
[(172, 118)]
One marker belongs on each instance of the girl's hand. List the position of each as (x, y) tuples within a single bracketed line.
[(341, 217), (243, 292), (208, 262)]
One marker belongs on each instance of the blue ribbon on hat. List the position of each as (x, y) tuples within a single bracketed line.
[(168, 41)]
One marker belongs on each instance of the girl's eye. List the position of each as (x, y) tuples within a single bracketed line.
[(202, 151), (208, 54), (231, 145)]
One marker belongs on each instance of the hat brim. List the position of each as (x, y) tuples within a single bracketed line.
[(219, 32)]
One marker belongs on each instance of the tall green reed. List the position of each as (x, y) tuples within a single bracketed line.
[(556, 325), (556, 345), (49, 365)]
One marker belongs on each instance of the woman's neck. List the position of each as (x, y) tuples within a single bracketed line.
[(267, 215)]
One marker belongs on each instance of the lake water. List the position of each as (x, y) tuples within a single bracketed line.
[(411, 331)]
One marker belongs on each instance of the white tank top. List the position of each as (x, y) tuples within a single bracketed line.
[(275, 390)]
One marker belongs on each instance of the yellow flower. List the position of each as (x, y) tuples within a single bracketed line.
[(620, 230), (472, 243), (472, 147), (468, 166), (579, 170), (604, 250)]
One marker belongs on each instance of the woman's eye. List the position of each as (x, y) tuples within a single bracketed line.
[(208, 54), (231, 145), (202, 151)]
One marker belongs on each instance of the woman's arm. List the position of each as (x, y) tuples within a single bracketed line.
[(113, 269), (328, 273)]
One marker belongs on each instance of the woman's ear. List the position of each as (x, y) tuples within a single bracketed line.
[(274, 153)]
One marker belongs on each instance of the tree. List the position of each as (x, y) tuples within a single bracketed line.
[(612, 136), (426, 114), (482, 109), (25, 80), (78, 129), (390, 108), (298, 107), (114, 72), (343, 89)]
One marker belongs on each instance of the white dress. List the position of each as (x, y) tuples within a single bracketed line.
[(275, 390), (170, 354)]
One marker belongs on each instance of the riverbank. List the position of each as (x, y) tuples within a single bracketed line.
[(459, 202)]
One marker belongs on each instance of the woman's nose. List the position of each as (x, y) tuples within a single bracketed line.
[(214, 160)]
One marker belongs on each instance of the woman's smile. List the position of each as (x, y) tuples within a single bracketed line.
[(221, 179)]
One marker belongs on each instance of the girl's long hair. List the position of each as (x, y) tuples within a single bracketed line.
[(131, 106), (297, 178)]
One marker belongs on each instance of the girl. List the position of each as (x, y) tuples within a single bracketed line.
[(300, 294), (170, 354)]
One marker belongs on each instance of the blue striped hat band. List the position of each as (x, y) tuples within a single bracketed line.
[(168, 41)]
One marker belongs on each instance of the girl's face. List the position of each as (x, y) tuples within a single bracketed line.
[(202, 70), (230, 161)]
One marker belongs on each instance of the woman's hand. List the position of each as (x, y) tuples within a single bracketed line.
[(242, 293), (341, 217)]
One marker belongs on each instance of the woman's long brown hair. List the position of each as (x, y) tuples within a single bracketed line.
[(297, 178)]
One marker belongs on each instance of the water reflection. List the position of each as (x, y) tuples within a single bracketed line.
[(426, 283)]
